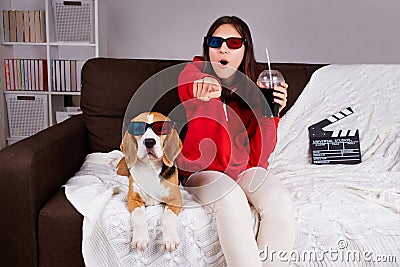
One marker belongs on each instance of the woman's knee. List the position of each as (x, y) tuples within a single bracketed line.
[(233, 198), (210, 187), (277, 199), (265, 191)]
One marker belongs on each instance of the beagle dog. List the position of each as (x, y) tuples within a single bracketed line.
[(150, 147)]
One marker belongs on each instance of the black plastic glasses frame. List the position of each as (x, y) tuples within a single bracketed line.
[(159, 127)]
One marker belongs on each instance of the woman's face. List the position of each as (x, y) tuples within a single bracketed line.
[(226, 61)]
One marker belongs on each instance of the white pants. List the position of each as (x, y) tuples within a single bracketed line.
[(230, 204)]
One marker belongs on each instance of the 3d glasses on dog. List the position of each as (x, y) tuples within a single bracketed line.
[(159, 127)]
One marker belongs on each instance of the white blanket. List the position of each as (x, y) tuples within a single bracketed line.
[(98, 193), (341, 210), (346, 207)]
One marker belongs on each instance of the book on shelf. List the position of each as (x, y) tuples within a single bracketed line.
[(42, 20), (37, 27), (32, 75), (66, 75), (57, 85), (6, 26), (73, 76), (67, 68), (25, 74), (18, 84), (19, 16), (61, 76), (13, 26), (7, 75), (24, 26), (32, 35)]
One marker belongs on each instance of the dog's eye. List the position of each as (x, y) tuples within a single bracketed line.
[(137, 128), (162, 127), (158, 128)]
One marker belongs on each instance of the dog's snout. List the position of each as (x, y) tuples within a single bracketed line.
[(149, 142)]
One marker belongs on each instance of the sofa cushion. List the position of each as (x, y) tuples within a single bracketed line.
[(107, 88), (108, 85)]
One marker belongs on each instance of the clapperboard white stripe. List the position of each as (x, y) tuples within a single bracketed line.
[(347, 112), (352, 132), (332, 119), (336, 133), (344, 133), (339, 116)]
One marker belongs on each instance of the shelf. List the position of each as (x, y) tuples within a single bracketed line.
[(71, 44), (21, 92), (51, 51), (65, 93), (50, 44), (40, 92), (24, 44)]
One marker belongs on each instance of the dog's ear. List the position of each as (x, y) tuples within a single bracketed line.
[(122, 168), (129, 148), (172, 148)]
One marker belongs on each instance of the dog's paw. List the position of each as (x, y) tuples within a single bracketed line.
[(170, 232), (140, 241), (171, 242), (140, 238)]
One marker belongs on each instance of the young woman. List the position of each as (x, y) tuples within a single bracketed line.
[(227, 146)]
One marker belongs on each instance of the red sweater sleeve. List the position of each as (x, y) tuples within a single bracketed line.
[(193, 71)]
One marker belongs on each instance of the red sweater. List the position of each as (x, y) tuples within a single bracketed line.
[(221, 137)]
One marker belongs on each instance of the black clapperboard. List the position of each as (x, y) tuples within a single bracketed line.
[(334, 147)]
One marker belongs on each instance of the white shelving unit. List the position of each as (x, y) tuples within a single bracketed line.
[(49, 50)]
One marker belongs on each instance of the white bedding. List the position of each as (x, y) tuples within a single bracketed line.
[(343, 208), (98, 193), (352, 206)]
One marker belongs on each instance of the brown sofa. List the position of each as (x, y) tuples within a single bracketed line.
[(39, 227)]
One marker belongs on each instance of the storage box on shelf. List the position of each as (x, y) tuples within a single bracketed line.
[(74, 20), (43, 56), (27, 114)]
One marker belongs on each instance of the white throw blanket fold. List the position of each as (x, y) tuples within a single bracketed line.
[(342, 208)]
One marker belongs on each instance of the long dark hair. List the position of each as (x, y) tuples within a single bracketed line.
[(248, 66)]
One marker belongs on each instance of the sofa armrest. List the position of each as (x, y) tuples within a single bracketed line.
[(31, 171)]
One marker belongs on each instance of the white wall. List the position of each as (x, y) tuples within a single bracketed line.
[(313, 31)]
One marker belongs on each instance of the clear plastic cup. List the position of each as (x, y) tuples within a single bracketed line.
[(266, 84)]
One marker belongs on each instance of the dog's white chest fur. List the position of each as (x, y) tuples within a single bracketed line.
[(147, 183)]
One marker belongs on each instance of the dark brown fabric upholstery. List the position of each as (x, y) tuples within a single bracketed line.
[(104, 79), (38, 224), (60, 231), (117, 80), (31, 171)]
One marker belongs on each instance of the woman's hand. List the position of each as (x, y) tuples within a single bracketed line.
[(280, 97), (206, 88)]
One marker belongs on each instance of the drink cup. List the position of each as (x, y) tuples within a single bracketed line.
[(266, 82)]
